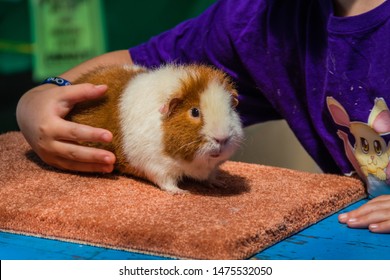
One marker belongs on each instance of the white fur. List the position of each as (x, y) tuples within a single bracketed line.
[(141, 125)]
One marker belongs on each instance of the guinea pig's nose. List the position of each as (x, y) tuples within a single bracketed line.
[(221, 140)]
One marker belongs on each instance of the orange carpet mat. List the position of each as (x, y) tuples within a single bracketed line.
[(255, 207)]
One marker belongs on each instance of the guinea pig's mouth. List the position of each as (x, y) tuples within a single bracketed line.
[(215, 152), (215, 155)]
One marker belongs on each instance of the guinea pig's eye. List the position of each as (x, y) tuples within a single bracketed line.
[(195, 112)]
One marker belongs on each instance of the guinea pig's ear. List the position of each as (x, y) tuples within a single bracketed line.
[(167, 108), (234, 96)]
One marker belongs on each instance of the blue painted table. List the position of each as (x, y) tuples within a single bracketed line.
[(326, 240)]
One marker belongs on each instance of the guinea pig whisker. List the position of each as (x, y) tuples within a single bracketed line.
[(238, 141), (186, 145)]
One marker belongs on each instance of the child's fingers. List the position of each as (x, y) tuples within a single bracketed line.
[(369, 207), (374, 215), (379, 198), (373, 206), (77, 153), (82, 92), (71, 131), (71, 156), (64, 163), (58, 146), (345, 217), (383, 227), (365, 220), (70, 95)]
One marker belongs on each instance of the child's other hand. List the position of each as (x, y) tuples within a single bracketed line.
[(40, 114), (374, 215)]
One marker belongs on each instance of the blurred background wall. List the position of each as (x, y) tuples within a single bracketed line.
[(128, 23)]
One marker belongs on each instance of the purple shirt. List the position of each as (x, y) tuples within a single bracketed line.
[(327, 76)]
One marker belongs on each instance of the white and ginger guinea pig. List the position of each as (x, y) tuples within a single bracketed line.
[(168, 123)]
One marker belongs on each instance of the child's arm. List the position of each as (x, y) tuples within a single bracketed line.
[(40, 115), (374, 215)]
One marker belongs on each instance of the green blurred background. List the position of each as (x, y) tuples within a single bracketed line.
[(127, 23)]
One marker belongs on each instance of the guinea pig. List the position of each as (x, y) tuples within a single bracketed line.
[(168, 123)]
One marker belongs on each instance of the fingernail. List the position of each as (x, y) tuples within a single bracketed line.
[(373, 227), (352, 220), (106, 137), (343, 217), (99, 86), (107, 159)]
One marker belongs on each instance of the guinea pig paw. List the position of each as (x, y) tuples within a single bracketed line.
[(174, 190)]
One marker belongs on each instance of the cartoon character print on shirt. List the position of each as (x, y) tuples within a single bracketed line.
[(370, 154)]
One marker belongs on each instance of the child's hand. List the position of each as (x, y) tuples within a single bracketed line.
[(374, 215), (40, 115)]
